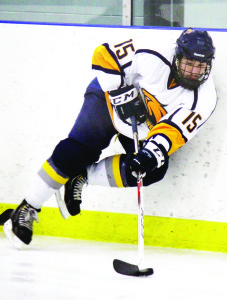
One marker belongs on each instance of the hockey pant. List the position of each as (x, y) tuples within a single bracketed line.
[(91, 133)]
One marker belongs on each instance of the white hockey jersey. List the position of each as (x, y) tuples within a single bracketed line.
[(174, 113)]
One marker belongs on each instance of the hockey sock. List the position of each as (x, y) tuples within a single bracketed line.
[(38, 192)]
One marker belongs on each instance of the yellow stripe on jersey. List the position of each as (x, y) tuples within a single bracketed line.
[(171, 132), (104, 59), (116, 170), (53, 174)]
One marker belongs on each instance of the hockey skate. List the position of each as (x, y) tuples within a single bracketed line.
[(19, 227), (5, 216), (70, 206)]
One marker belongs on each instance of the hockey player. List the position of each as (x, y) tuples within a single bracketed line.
[(166, 87)]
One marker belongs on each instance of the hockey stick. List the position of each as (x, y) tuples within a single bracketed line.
[(120, 266)]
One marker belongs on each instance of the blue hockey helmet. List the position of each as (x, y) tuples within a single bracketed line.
[(194, 45)]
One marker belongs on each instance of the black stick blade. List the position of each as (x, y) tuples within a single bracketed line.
[(125, 268), (5, 216)]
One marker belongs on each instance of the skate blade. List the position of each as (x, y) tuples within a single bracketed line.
[(61, 205), (15, 241)]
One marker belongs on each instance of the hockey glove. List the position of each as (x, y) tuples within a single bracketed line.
[(151, 156), (127, 102)]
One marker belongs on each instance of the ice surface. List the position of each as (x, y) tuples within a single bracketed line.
[(59, 268)]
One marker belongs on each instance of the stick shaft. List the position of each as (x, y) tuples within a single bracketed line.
[(140, 196)]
